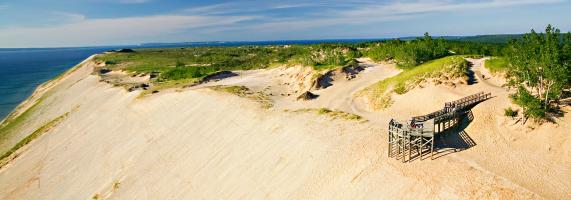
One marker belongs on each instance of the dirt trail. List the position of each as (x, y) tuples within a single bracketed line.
[(481, 74), (341, 95)]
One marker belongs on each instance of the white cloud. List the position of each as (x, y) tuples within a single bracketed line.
[(69, 17), (240, 20), (133, 1), (373, 12), (245, 7), (110, 31), (431, 6)]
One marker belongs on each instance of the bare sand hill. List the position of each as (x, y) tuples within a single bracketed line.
[(200, 144)]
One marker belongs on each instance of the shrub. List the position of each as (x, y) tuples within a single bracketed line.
[(531, 105), (400, 88), (324, 111), (509, 112), (181, 72)]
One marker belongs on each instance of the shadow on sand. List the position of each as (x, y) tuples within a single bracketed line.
[(455, 139), (471, 75)]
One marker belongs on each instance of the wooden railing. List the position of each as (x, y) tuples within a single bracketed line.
[(450, 108)]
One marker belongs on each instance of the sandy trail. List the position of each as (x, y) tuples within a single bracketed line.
[(201, 144), (341, 95)]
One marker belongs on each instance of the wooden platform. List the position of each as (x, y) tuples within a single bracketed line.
[(418, 133)]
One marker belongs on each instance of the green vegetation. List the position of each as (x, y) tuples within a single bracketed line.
[(178, 66), (183, 66), (230, 58), (497, 39), (243, 91), (450, 68), (475, 48), (12, 122), (45, 128), (411, 53), (408, 53), (497, 65), (180, 72), (332, 113), (116, 185), (509, 112), (327, 56), (540, 70)]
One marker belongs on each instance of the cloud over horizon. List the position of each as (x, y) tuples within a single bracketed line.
[(147, 21)]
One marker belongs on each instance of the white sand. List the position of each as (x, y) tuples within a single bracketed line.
[(200, 144)]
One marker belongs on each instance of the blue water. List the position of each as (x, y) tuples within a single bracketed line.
[(22, 70)]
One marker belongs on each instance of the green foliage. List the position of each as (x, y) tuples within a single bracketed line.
[(494, 39), (179, 73), (497, 65), (541, 63), (400, 88), (509, 112), (408, 54), (327, 56), (179, 66), (379, 93), (531, 105), (475, 48), (219, 58), (322, 111)]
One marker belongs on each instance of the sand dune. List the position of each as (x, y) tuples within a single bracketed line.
[(197, 143)]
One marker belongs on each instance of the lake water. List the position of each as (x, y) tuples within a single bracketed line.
[(22, 70)]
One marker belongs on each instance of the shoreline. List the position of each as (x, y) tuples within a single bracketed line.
[(39, 91)]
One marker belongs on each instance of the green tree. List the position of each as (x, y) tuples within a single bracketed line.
[(540, 68)]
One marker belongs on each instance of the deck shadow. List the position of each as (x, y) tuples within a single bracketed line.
[(455, 139)]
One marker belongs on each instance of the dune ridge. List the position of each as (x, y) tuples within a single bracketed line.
[(199, 143)]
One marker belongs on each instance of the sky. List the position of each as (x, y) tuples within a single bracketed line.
[(66, 23)]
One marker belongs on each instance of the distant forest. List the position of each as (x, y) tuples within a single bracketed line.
[(497, 39)]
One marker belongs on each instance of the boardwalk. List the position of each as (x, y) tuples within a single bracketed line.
[(417, 134)]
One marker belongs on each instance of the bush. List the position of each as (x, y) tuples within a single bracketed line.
[(181, 72), (509, 112), (400, 88), (408, 54), (531, 105)]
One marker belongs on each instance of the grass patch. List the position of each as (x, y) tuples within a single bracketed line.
[(333, 113), (497, 65), (116, 185), (379, 94), (13, 121), (245, 92), (37, 133), (509, 112)]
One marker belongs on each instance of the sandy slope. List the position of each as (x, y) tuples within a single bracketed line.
[(200, 144)]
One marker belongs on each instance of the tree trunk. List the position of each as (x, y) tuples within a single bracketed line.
[(547, 93)]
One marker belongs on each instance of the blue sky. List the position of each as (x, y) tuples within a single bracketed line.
[(56, 23)]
